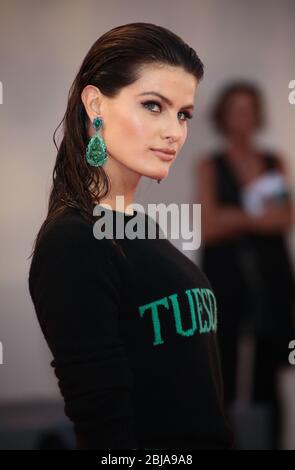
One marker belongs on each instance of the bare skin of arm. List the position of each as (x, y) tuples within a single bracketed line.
[(220, 222)]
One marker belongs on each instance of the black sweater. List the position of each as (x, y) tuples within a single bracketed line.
[(131, 325)]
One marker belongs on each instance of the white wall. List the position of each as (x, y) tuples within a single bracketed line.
[(41, 47)]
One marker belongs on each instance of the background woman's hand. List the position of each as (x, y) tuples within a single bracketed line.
[(277, 217)]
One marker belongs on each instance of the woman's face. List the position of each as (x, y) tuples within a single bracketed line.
[(240, 115), (137, 120)]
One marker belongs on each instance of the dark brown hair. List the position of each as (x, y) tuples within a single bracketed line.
[(219, 108), (111, 63)]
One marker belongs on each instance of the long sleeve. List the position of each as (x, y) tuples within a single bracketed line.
[(76, 289)]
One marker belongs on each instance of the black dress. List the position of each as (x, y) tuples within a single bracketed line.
[(253, 281), (131, 324)]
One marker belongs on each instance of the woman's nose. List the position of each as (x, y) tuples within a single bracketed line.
[(173, 130)]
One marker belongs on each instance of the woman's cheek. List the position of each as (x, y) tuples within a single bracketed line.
[(135, 126)]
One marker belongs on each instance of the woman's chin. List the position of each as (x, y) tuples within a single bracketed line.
[(158, 174)]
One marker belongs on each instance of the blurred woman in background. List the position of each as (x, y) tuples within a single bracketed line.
[(246, 212)]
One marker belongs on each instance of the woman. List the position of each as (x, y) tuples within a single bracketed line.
[(131, 374), (246, 211)]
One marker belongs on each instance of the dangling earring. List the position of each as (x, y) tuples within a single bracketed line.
[(96, 152)]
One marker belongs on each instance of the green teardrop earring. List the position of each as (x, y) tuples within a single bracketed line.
[(96, 152)]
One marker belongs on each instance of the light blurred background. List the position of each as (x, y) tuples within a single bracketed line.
[(42, 45)]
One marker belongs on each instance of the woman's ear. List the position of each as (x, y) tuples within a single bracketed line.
[(91, 99)]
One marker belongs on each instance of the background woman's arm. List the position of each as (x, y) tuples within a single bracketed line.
[(222, 222)]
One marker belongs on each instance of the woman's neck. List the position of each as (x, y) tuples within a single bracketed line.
[(239, 149), (123, 185)]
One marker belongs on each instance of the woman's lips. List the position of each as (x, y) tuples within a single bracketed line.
[(163, 155)]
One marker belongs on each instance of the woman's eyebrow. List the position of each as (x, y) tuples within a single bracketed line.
[(189, 106)]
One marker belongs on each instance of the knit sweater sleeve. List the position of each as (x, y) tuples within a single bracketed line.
[(76, 289)]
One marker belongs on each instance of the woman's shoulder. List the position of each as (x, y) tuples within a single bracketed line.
[(208, 161), (66, 228), (69, 248), (275, 160), (70, 233)]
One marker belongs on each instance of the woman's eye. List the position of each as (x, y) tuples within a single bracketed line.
[(186, 116), (151, 103)]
